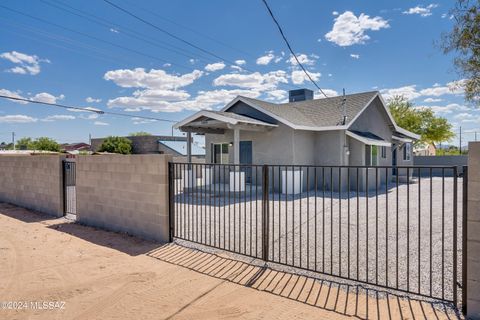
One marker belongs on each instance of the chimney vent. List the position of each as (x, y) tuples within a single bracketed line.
[(300, 95)]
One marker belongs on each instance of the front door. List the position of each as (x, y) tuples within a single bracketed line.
[(246, 158)]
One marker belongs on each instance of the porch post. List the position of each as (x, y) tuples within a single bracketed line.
[(236, 146), (189, 147)]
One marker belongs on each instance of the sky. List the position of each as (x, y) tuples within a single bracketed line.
[(202, 54)]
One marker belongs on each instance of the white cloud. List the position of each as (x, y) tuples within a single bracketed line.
[(256, 80), (329, 92), (348, 29), (47, 97), (266, 59), (25, 64), (58, 117), (13, 94), (240, 62), (215, 66), (355, 56), (238, 68), (430, 100), (447, 109), (303, 58), (92, 100), (422, 11), (299, 77), (101, 123), (277, 95), (114, 30), (335, 13), (154, 79), (142, 121), (410, 92), (17, 118)]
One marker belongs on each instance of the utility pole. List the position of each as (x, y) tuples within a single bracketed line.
[(460, 142), (475, 136), (90, 139), (13, 140)]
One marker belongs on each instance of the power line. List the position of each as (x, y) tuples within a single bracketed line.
[(290, 47), (168, 33), (124, 30), (92, 37), (97, 111)]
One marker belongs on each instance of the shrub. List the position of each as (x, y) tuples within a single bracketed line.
[(116, 145)]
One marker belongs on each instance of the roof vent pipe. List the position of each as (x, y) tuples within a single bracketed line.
[(344, 108)]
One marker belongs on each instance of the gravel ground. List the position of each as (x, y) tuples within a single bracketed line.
[(329, 233)]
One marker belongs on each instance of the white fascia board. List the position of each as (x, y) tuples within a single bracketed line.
[(204, 113), (365, 140)]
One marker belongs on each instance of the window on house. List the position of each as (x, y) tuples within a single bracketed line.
[(407, 151), (384, 152), (371, 155), (220, 152)]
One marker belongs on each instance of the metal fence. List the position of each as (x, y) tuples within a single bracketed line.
[(393, 227), (69, 187)]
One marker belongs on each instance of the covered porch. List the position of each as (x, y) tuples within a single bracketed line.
[(228, 156)]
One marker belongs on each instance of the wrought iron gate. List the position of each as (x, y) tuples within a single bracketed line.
[(69, 188), (398, 229)]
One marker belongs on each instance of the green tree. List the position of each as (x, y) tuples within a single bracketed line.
[(116, 145), (24, 143), (139, 134), (422, 121), (45, 144), (464, 40)]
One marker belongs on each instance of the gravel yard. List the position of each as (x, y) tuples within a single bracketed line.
[(404, 239)]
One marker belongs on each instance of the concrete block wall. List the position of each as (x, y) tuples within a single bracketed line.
[(124, 193), (473, 232), (33, 182)]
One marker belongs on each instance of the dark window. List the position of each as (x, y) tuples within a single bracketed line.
[(384, 152), (220, 152)]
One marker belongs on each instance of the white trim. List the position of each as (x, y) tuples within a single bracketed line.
[(219, 117), (368, 141), (401, 139)]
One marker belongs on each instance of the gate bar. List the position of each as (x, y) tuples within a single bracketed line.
[(265, 207), (171, 202), (464, 238)]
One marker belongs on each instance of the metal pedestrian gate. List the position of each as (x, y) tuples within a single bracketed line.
[(393, 227), (69, 187)]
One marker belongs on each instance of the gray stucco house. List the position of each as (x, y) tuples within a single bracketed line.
[(351, 130)]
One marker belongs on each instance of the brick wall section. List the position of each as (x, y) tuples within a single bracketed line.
[(473, 232), (124, 193), (33, 182)]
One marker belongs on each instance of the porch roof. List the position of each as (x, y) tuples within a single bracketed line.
[(368, 138), (217, 121)]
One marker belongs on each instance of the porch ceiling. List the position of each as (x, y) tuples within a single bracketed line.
[(368, 138)]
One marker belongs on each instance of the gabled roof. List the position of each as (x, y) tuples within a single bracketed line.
[(325, 112), (321, 114)]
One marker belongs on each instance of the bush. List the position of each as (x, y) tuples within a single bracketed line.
[(116, 145), (45, 144)]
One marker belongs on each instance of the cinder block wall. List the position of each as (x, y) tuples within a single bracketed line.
[(33, 182), (124, 193), (473, 232)]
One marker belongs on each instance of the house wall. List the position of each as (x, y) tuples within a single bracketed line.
[(33, 182)]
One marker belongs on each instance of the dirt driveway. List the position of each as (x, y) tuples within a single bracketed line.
[(55, 269)]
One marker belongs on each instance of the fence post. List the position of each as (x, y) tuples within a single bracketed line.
[(265, 212), (464, 238), (64, 187), (171, 217), (455, 230)]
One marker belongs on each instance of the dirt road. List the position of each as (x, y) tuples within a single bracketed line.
[(54, 269)]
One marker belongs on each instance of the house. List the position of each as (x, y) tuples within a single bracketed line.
[(153, 144), (424, 149), (75, 147), (351, 130)]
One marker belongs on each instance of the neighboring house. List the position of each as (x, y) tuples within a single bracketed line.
[(149, 144), (351, 130), (424, 149), (3, 146), (75, 147)]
